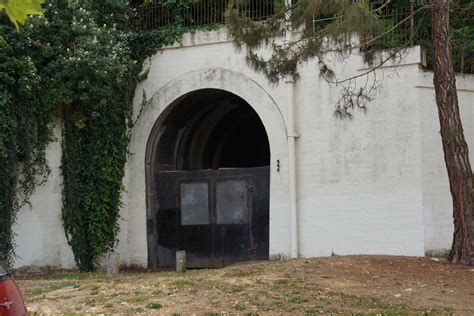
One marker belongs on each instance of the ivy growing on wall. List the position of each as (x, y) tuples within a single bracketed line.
[(25, 131), (79, 66)]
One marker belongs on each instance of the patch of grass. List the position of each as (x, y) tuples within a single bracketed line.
[(373, 303), (137, 299), (298, 300), (182, 282), (268, 293), (103, 298), (57, 298), (139, 292), (91, 301), (277, 301), (294, 292), (261, 282), (384, 313), (54, 287), (235, 273), (281, 281), (238, 273), (39, 291), (139, 310), (154, 306), (71, 275), (430, 313), (238, 307), (95, 287), (236, 289)]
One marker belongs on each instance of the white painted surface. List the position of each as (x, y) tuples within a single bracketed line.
[(372, 185), (40, 237)]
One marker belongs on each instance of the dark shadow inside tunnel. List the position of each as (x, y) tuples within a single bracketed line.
[(211, 129)]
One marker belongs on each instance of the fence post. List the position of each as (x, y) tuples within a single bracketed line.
[(113, 262), (180, 261)]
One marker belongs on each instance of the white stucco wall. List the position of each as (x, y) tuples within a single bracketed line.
[(375, 184), (39, 234), (359, 180)]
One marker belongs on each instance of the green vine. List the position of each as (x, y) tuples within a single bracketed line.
[(79, 64), (25, 131)]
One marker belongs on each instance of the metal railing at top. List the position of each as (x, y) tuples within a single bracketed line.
[(201, 13), (409, 27), (212, 12), (403, 31)]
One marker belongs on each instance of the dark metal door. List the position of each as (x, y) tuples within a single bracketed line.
[(218, 216)]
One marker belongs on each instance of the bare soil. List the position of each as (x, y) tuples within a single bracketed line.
[(340, 284)]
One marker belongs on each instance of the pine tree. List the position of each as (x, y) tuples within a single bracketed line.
[(456, 153)]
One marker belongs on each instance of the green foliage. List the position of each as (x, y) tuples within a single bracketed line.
[(80, 63), (18, 10), (88, 80), (25, 130), (154, 305), (357, 18), (462, 35), (346, 19), (336, 23)]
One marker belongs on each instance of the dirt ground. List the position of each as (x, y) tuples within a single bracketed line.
[(357, 285)]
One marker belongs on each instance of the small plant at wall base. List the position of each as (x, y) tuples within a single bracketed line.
[(79, 65)]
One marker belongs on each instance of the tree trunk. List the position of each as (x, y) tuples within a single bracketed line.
[(456, 154)]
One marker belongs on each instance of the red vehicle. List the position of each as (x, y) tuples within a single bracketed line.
[(11, 301)]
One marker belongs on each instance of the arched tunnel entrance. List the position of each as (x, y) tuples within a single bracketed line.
[(210, 170)]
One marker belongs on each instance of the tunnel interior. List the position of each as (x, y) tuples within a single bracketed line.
[(211, 129)]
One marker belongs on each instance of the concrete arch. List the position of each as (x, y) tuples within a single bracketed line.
[(140, 192), (221, 79)]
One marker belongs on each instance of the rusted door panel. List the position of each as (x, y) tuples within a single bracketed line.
[(236, 242), (198, 241), (233, 215), (261, 213), (166, 220), (218, 216), (195, 228)]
